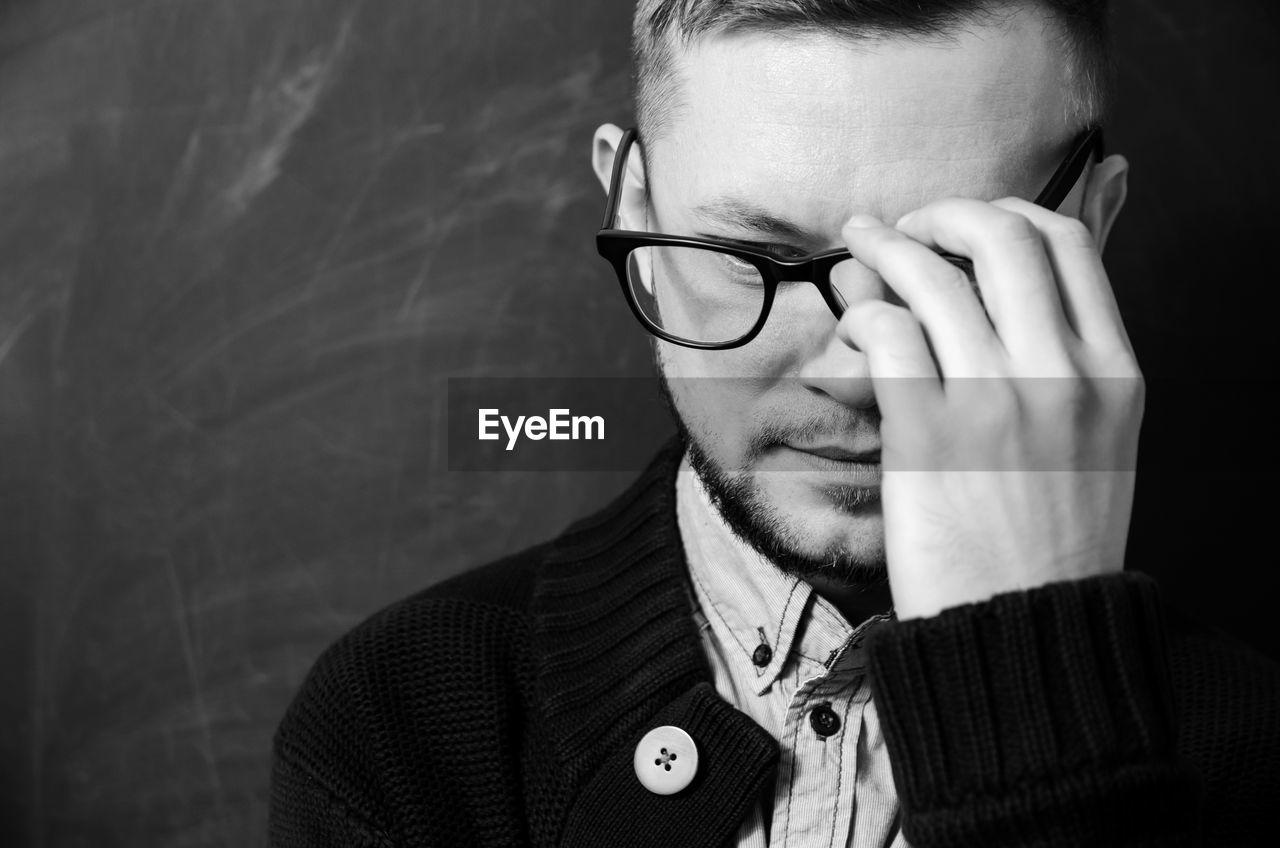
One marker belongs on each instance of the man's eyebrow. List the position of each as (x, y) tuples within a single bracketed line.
[(747, 216)]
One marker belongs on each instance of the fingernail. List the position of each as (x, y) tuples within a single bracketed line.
[(862, 222), (904, 220)]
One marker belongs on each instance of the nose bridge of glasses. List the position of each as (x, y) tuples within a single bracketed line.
[(809, 269), (817, 270), (843, 280)]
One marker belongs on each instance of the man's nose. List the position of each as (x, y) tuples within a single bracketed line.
[(833, 368), (838, 371)]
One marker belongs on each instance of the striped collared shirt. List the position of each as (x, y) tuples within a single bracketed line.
[(786, 657)]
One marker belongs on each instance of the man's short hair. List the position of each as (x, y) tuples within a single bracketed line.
[(662, 26)]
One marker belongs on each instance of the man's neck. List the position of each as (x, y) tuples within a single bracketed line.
[(855, 603)]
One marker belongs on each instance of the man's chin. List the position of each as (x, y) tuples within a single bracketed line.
[(809, 522), (824, 513), (827, 505)]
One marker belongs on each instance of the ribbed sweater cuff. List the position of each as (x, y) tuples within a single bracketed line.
[(1030, 701)]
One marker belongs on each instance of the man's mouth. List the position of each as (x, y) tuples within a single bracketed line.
[(840, 454)]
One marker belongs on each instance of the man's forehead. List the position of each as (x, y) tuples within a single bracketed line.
[(884, 115)]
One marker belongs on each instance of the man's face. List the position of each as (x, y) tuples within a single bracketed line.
[(809, 129)]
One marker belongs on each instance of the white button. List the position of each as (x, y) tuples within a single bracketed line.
[(666, 760)]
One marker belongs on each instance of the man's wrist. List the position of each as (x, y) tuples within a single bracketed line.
[(915, 599)]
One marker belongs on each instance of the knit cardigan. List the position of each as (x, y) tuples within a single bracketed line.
[(503, 706)]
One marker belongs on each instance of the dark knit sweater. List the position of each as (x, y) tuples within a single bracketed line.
[(503, 706)]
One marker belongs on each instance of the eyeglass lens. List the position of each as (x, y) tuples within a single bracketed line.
[(696, 294)]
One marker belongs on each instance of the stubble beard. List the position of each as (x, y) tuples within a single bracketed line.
[(747, 512)]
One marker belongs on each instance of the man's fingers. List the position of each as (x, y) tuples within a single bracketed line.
[(903, 373), (1013, 270), (938, 294), (1087, 297)]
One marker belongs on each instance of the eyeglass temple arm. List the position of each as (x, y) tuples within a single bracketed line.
[(1064, 179), (615, 181)]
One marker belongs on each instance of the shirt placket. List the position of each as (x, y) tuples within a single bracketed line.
[(814, 804)]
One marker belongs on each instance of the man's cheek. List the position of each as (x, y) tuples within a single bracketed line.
[(718, 395), (718, 420)]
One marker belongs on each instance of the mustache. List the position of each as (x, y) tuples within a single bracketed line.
[(802, 423), (808, 426)]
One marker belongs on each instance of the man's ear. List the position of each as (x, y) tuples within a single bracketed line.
[(632, 209), (1104, 195)]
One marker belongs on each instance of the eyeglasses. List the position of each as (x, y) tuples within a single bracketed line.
[(715, 294)]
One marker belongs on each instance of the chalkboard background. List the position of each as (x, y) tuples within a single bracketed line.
[(243, 245)]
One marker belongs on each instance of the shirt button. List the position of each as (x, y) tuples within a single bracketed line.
[(824, 720), (761, 655), (666, 760)]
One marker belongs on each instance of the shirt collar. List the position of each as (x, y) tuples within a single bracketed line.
[(749, 601)]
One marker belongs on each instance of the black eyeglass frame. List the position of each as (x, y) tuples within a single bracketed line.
[(616, 245)]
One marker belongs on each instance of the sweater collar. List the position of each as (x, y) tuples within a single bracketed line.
[(618, 654)]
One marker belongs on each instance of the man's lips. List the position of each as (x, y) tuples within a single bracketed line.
[(840, 454)]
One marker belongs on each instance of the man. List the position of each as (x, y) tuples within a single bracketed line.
[(874, 596)]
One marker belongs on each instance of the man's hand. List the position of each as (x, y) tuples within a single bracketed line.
[(1008, 443)]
